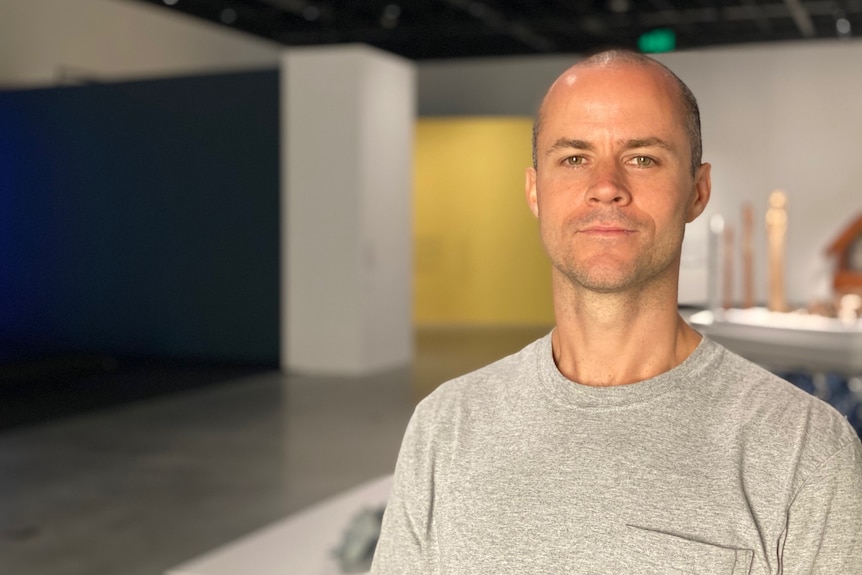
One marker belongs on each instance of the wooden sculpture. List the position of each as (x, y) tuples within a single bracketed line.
[(728, 267), (747, 255), (776, 231), (847, 249)]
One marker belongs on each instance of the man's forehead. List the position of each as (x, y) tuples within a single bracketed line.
[(624, 85), (585, 74)]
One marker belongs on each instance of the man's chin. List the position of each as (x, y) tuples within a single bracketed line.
[(607, 281)]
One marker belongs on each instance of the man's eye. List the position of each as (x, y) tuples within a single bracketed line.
[(643, 161), (574, 161)]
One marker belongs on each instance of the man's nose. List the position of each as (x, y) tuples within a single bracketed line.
[(608, 185)]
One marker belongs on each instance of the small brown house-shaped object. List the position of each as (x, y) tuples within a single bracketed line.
[(847, 250)]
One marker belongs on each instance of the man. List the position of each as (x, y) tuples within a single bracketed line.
[(623, 442)]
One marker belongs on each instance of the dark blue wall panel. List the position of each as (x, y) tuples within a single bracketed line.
[(142, 218)]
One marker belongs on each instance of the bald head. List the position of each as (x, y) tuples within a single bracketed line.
[(687, 104)]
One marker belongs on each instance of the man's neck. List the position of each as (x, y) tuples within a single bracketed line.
[(618, 339)]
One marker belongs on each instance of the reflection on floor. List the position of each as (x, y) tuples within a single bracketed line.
[(136, 488)]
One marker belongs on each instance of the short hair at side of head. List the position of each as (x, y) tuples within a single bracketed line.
[(687, 101)]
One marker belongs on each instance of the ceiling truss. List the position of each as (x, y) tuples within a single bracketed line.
[(424, 29)]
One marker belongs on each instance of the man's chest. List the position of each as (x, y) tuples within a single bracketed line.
[(532, 502)]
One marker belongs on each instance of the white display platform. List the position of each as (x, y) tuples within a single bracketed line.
[(301, 544), (786, 341)]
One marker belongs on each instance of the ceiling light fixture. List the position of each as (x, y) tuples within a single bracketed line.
[(228, 16), (390, 16), (311, 12), (842, 24), (619, 6)]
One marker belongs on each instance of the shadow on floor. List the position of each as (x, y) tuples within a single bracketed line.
[(38, 387)]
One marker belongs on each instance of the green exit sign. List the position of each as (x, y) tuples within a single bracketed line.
[(658, 40)]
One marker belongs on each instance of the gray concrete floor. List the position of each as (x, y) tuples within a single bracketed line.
[(139, 488)]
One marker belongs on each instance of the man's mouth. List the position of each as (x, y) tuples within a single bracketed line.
[(607, 230)]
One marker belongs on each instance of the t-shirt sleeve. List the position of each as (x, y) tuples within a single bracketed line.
[(824, 522), (406, 541)]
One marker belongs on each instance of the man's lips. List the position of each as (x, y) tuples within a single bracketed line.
[(606, 230)]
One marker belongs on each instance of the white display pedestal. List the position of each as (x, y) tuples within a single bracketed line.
[(301, 544), (786, 341)]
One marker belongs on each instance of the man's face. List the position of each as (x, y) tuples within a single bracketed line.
[(613, 188)]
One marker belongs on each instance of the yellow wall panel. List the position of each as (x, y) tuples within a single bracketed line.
[(478, 259)]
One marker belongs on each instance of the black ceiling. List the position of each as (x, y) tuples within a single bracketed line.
[(422, 29)]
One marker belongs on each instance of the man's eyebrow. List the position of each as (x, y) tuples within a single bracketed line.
[(569, 143), (575, 144), (646, 143)]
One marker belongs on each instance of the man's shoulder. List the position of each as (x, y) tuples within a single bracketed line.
[(760, 386), (770, 405)]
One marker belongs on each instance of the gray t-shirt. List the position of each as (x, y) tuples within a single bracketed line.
[(714, 467)]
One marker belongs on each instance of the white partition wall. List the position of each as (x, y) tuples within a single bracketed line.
[(347, 146)]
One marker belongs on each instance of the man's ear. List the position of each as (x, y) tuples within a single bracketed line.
[(530, 191), (702, 191)]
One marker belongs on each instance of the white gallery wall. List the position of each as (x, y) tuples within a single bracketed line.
[(47, 42), (347, 117), (783, 116)]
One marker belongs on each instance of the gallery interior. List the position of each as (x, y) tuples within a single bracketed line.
[(240, 243)]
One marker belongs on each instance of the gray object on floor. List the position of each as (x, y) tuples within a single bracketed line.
[(360, 540)]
